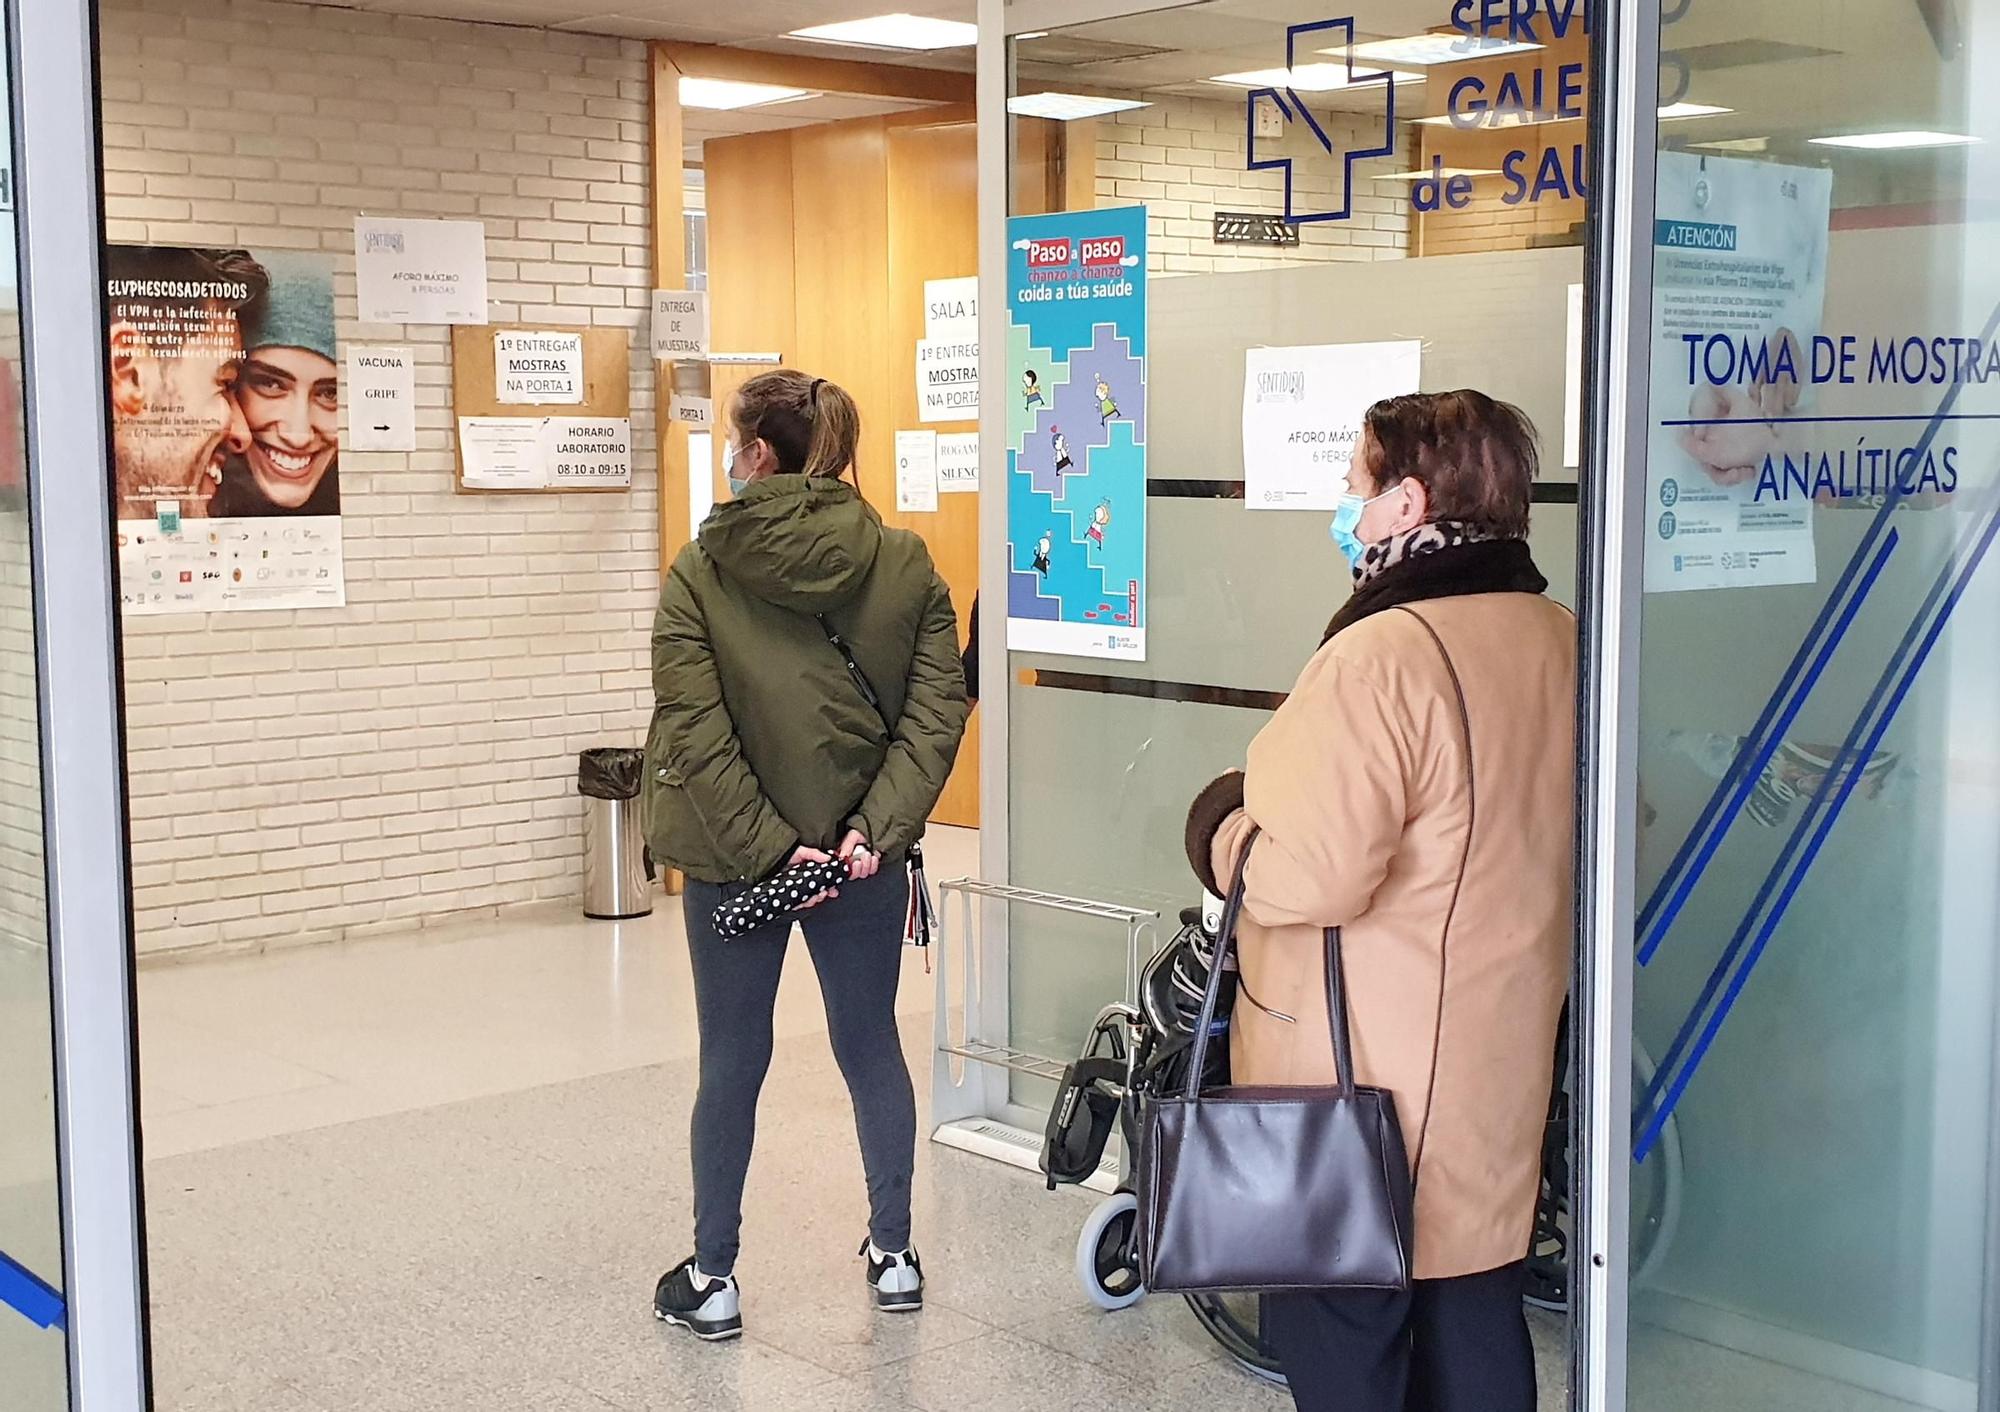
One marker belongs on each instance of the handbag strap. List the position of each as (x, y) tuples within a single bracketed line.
[(919, 918), (1336, 975), (1225, 951), (1464, 862), (1211, 996), (860, 678)]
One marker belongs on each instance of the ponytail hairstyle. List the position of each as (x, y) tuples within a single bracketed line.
[(811, 425)]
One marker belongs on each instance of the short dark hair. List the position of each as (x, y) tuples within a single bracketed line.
[(1475, 457)]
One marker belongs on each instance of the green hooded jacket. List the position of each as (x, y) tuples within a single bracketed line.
[(761, 740)]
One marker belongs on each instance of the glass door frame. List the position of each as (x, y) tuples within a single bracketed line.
[(1618, 292), (1623, 134), (53, 47)]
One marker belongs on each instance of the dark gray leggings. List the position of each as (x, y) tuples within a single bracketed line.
[(856, 945)]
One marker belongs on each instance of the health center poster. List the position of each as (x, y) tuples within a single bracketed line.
[(1739, 281), (1076, 433), (225, 422)]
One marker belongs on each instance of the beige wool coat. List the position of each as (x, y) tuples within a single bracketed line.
[(1368, 806)]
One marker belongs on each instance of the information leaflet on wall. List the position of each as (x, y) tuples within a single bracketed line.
[(225, 429), (951, 309), (409, 271), (1302, 411), (916, 470), (587, 452), (958, 463), (545, 453), (381, 398), (538, 366), (1076, 433), (948, 379), (680, 324), (1740, 270), (502, 453)]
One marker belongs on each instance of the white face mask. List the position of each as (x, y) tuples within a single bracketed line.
[(736, 486)]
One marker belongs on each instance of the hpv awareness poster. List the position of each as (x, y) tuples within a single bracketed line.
[(1076, 433), (1739, 277), (225, 428)]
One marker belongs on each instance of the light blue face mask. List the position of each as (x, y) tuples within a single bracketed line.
[(1346, 516), (736, 487)]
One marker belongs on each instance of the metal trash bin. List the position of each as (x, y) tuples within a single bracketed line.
[(617, 869)]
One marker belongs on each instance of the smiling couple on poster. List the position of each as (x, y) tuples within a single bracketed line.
[(224, 384)]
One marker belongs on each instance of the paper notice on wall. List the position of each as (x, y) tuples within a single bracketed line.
[(916, 470), (538, 365), (1573, 381), (585, 452), (951, 309), (1740, 256), (410, 271), (1302, 412), (502, 453), (695, 411), (381, 398), (948, 379), (680, 324), (958, 463)]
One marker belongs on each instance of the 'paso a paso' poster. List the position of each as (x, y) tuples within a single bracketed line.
[(1076, 433)]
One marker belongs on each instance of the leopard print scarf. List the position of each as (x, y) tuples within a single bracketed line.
[(1378, 559)]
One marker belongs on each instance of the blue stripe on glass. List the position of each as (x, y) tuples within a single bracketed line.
[(1671, 893), (1950, 586), (28, 1295)]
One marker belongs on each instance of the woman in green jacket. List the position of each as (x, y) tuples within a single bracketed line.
[(766, 752)]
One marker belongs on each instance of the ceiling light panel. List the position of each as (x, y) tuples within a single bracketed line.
[(1069, 107), (727, 95), (1895, 141), (895, 32), (1674, 112), (1311, 78), (1450, 47), (1441, 173)]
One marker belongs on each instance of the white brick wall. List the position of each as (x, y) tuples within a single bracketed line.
[(304, 775), (1184, 158)]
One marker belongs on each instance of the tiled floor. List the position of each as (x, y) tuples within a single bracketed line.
[(442, 1172)]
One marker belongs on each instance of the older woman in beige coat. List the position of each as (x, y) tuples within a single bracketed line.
[(1415, 791)]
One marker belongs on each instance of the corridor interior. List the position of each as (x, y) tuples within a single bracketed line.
[(441, 1171)]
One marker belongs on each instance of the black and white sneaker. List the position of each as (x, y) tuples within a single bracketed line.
[(708, 1306), (897, 1279)]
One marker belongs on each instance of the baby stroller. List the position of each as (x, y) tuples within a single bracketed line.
[(1130, 1054)]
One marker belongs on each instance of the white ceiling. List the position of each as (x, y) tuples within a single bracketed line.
[(692, 21), (750, 24), (1789, 69), (1884, 69)]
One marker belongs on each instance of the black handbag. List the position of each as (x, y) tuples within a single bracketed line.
[(1270, 1188)]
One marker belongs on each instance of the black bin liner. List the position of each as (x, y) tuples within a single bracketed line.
[(610, 772)]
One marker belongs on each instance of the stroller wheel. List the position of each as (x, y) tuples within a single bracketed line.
[(1106, 1265)]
